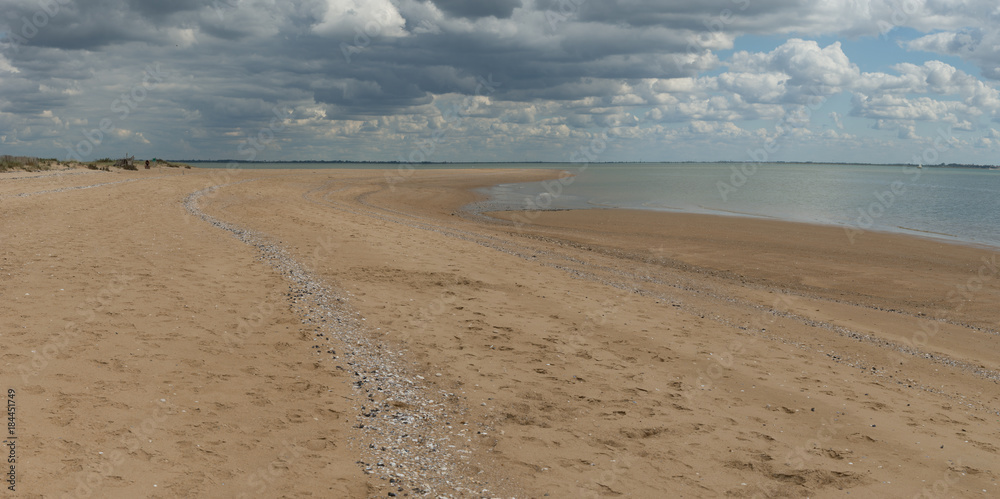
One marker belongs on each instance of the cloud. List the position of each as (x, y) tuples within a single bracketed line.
[(5, 66), (837, 121), (950, 95), (365, 79), (726, 128), (809, 70), (158, 10), (907, 132), (372, 18), (975, 45), (476, 9)]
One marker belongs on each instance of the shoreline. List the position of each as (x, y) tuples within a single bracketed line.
[(925, 235), (849, 228)]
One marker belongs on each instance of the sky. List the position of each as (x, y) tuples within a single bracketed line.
[(880, 81)]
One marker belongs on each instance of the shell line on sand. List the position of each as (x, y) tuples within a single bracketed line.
[(417, 440), (80, 187), (33, 175)]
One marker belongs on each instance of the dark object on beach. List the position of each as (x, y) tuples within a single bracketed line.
[(126, 163), (147, 164)]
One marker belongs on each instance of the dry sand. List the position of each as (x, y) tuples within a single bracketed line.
[(586, 354)]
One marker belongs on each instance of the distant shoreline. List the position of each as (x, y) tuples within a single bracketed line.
[(30, 163), (428, 163)]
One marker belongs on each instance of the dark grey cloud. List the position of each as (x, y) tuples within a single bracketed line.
[(679, 14), (77, 24), (28, 98), (159, 10), (475, 9)]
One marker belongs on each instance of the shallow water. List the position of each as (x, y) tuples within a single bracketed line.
[(951, 203)]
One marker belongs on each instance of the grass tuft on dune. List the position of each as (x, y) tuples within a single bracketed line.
[(26, 163)]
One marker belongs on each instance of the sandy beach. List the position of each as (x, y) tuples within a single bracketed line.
[(356, 333)]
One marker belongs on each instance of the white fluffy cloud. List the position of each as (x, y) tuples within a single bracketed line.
[(949, 95), (5, 66), (369, 18), (826, 70)]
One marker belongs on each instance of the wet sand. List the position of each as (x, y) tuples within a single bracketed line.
[(596, 353)]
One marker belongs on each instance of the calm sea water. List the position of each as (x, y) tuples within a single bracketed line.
[(959, 204)]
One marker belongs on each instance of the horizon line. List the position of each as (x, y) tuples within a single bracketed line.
[(397, 162)]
